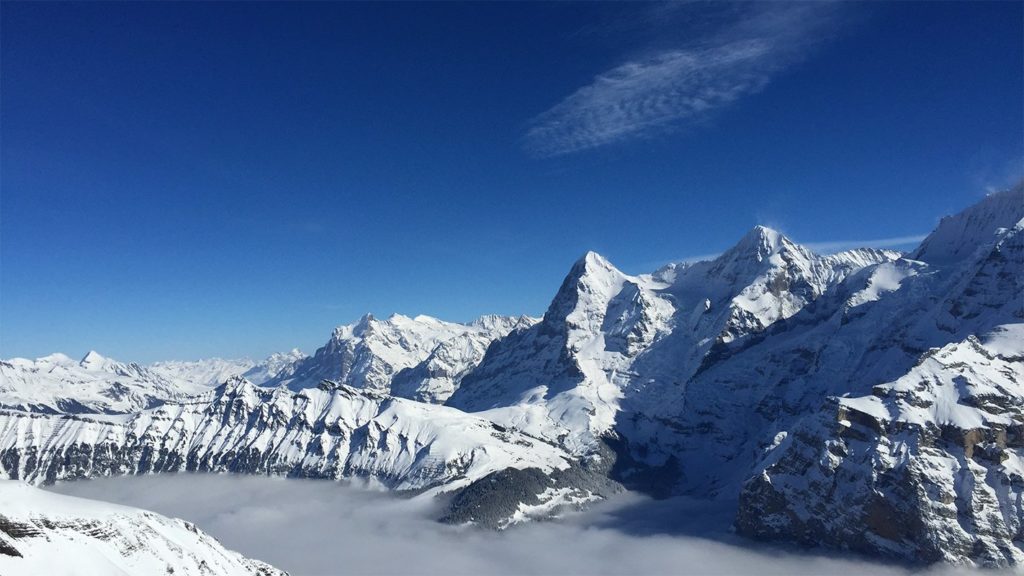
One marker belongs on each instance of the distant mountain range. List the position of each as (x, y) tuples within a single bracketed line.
[(868, 400)]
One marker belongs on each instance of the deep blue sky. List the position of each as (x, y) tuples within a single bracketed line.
[(182, 180)]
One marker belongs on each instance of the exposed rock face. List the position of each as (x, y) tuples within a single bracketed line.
[(45, 533), (930, 467)]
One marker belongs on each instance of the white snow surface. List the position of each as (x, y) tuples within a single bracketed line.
[(46, 533)]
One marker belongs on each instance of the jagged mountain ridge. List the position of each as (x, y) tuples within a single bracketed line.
[(333, 431), (699, 373), (611, 342), (92, 537), (58, 384), (99, 385), (420, 358)]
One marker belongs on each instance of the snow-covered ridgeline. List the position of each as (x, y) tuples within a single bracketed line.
[(96, 384), (100, 385), (239, 427)]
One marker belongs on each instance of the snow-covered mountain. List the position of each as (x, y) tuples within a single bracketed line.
[(611, 343), (420, 358), (95, 384), (333, 431), (46, 533), (866, 400), (277, 365), (100, 385), (199, 374), (210, 372)]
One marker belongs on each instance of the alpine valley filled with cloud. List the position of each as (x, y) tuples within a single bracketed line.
[(220, 180), (869, 401)]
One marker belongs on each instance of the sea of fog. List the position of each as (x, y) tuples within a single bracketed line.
[(311, 527)]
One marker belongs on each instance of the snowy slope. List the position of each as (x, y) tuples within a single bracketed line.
[(958, 236), (46, 533)]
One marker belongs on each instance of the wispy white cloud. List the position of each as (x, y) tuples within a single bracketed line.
[(669, 88), (831, 246)]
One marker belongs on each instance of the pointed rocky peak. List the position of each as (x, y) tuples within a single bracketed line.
[(592, 261), (592, 276), (589, 268), (750, 258), (357, 328), (959, 236), (236, 386), (93, 360), (760, 243)]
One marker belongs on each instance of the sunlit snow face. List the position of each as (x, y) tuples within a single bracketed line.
[(317, 527)]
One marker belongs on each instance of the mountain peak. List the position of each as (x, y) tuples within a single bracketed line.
[(93, 360), (764, 237), (591, 274), (757, 245), (958, 236), (591, 262)]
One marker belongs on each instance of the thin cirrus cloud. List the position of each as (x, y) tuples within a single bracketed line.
[(840, 245), (671, 88)]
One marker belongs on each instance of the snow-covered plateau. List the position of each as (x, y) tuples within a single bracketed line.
[(869, 400)]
